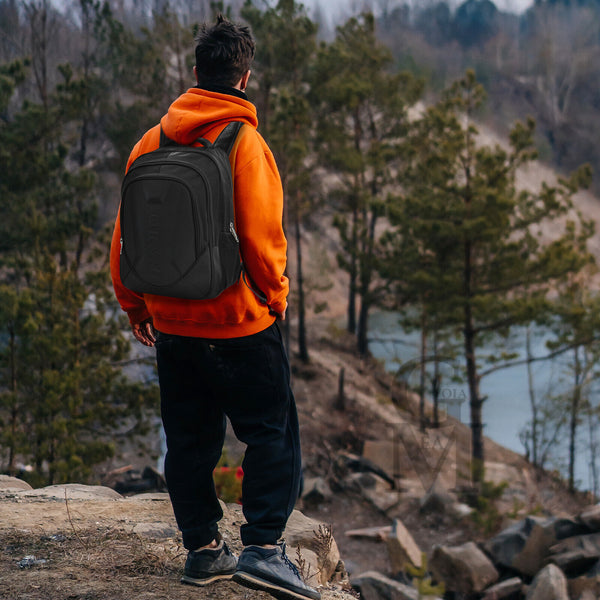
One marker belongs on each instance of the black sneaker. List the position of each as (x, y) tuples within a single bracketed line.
[(208, 565), (270, 570)]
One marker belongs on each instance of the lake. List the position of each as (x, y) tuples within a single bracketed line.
[(507, 409)]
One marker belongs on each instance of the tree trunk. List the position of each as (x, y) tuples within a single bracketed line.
[(353, 272), (532, 402), (422, 370), (340, 403), (14, 412), (38, 23), (363, 318), (302, 347), (366, 275), (575, 402), (436, 382), (475, 401)]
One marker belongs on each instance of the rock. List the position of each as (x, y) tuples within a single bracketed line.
[(372, 488), (360, 464), (381, 453), (132, 482), (589, 582), (402, 548), (565, 528), (464, 569), (149, 496), (549, 584), (310, 535), (156, 531), (375, 586), (575, 555), (316, 491), (509, 589), (460, 510), (591, 517), (437, 500), (31, 561), (525, 545), (74, 491), (308, 565), (8, 483), (377, 534)]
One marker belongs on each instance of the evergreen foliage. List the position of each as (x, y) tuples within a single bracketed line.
[(288, 39), (477, 257), (63, 395), (362, 116)]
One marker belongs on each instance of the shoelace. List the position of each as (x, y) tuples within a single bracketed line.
[(288, 562)]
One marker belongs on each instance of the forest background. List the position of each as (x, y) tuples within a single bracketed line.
[(373, 128)]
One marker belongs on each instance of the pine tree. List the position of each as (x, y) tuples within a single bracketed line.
[(362, 117), (575, 323), (481, 257), (287, 38), (62, 392)]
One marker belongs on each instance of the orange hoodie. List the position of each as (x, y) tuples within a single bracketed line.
[(258, 205)]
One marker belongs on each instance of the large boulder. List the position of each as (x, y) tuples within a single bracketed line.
[(577, 554), (591, 517), (402, 548), (316, 491), (74, 491), (509, 589), (549, 584), (312, 542), (587, 583), (525, 546), (13, 484), (464, 569)]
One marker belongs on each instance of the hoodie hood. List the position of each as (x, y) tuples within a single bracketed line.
[(197, 111)]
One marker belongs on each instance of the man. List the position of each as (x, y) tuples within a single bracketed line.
[(225, 356)]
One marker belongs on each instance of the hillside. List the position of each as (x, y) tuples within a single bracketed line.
[(96, 545), (366, 463)]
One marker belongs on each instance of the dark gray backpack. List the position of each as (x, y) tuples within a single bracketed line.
[(177, 226)]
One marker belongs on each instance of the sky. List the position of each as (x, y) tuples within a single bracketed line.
[(343, 8)]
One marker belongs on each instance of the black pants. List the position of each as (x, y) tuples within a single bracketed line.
[(248, 380)]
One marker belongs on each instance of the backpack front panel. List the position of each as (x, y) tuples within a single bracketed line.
[(177, 223)]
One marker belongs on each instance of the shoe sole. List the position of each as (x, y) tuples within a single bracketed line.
[(202, 582), (256, 583)]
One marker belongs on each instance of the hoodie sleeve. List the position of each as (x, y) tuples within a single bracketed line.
[(259, 214), (133, 304)]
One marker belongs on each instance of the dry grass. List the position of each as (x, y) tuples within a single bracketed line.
[(107, 552)]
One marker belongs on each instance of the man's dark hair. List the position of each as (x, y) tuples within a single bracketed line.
[(224, 52)]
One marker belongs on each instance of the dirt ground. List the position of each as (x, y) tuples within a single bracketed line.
[(104, 550)]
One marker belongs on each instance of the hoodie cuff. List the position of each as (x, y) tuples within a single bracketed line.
[(279, 303), (137, 315)]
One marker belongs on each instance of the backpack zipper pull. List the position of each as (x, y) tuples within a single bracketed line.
[(233, 233)]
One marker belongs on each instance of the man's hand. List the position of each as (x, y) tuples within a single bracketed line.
[(144, 332), (279, 316)]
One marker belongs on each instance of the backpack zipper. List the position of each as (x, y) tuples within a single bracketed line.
[(233, 232)]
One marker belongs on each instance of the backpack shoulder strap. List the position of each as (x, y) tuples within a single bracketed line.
[(164, 140), (227, 137)]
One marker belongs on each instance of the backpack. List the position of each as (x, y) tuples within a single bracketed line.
[(178, 236)]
